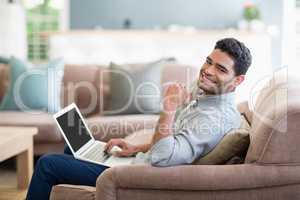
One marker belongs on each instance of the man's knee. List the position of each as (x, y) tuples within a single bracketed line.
[(46, 163)]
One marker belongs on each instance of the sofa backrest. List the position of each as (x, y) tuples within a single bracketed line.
[(274, 134), (89, 85), (180, 73), (84, 85)]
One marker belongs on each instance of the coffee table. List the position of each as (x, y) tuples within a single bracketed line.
[(18, 141)]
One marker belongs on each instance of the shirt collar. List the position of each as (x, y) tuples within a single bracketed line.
[(222, 98)]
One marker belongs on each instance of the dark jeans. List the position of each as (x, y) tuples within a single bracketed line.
[(54, 169)]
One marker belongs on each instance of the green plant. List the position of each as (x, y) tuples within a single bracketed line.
[(251, 12)]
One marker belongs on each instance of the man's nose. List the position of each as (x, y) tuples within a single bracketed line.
[(210, 70)]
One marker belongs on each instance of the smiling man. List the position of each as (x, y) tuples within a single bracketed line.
[(187, 128), (199, 125)]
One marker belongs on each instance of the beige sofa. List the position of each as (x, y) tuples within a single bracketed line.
[(80, 84), (271, 169)]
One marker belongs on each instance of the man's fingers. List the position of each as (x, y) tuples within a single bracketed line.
[(107, 146), (110, 145), (115, 142), (123, 153)]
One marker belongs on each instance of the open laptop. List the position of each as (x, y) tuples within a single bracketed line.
[(80, 140)]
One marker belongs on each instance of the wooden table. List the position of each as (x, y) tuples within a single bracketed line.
[(18, 141)]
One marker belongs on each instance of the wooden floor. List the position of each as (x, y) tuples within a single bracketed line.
[(12, 194), (8, 182)]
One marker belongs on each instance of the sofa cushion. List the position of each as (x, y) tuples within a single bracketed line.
[(171, 72), (33, 88), (135, 88), (179, 73), (47, 131), (4, 80), (4, 60), (73, 192), (87, 86), (234, 143), (119, 126)]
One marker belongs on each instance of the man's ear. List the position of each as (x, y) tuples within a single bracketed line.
[(238, 80)]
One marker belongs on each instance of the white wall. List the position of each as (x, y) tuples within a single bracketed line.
[(13, 39)]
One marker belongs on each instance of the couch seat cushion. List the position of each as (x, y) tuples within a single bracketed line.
[(102, 127), (47, 131), (72, 192), (115, 126)]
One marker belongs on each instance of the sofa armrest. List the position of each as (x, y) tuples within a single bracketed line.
[(194, 178), (72, 192)]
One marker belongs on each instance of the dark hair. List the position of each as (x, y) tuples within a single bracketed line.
[(238, 52)]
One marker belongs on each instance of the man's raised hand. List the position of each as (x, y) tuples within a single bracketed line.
[(175, 96)]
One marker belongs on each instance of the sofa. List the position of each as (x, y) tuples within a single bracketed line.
[(83, 84), (271, 169)]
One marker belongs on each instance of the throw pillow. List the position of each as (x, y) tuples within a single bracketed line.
[(136, 88), (4, 79), (33, 88), (4, 60), (233, 144)]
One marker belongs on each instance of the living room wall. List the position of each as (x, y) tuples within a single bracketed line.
[(111, 14)]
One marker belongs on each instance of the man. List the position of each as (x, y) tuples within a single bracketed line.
[(186, 130)]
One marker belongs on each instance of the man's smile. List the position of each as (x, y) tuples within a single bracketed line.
[(206, 79)]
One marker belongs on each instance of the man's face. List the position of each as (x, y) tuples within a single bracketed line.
[(217, 74)]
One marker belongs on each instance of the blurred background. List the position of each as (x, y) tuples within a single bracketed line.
[(130, 31)]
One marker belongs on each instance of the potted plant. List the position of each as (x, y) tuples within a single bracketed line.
[(251, 18), (251, 12)]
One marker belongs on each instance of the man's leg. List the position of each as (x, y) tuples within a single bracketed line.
[(61, 169)]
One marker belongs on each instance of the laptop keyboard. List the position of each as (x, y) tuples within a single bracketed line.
[(96, 153)]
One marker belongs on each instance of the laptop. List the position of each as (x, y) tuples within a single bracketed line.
[(81, 142)]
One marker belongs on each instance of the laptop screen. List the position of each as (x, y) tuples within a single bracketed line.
[(74, 129)]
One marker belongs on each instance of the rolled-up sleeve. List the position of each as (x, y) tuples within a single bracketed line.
[(171, 150)]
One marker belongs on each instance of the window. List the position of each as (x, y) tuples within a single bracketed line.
[(43, 17)]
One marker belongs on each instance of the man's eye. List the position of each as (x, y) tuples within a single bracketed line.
[(221, 69), (208, 62)]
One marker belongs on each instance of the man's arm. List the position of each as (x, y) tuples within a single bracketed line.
[(163, 127), (175, 96), (196, 136)]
